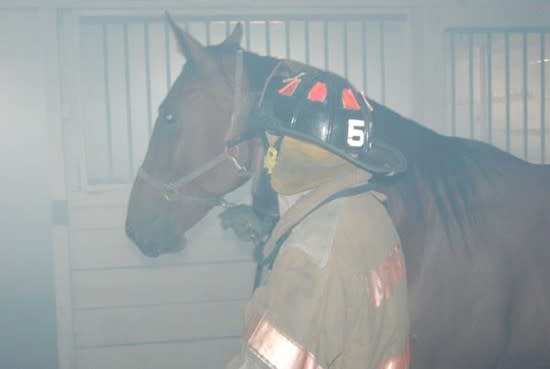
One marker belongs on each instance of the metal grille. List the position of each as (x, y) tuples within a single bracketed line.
[(128, 64), (499, 88)]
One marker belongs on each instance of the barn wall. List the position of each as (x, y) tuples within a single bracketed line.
[(27, 290), (116, 308)]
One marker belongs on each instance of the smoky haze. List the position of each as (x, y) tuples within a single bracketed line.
[(80, 83)]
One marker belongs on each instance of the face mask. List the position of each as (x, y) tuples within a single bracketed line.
[(298, 166)]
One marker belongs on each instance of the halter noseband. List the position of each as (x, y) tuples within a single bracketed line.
[(172, 190)]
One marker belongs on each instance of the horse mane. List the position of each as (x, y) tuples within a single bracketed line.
[(453, 174), (258, 68)]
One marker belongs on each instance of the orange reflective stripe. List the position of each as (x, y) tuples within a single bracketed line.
[(279, 351), (400, 362), (376, 288), (384, 278), (253, 316)]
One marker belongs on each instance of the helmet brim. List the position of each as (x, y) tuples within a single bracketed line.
[(381, 158)]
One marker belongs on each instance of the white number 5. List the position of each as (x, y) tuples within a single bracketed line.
[(356, 132)]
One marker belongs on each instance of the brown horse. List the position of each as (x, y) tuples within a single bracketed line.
[(474, 221)]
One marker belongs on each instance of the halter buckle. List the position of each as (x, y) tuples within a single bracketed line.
[(242, 169)]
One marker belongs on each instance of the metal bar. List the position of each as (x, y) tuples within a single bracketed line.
[(364, 53), (453, 82), (490, 85), (306, 40), (115, 19), (207, 31), (542, 98), (471, 83), (499, 29), (287, 39), (247, 32), (167, 56), (148, 78), (507, 86), (107, 100), (383, 62), (115, 346), (128, 102), (345, 41), (525, 98), (268, 38), (325, 44)]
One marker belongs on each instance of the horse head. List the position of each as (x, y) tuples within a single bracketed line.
[(194, 155)]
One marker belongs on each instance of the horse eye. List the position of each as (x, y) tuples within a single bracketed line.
[(169, 118)]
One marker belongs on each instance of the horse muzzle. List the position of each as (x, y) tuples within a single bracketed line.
[(154, 242)]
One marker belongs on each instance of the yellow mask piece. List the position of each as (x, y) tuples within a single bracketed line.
[(299, 166)]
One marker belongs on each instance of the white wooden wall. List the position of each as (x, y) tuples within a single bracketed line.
[(118, 309), (178, 311)]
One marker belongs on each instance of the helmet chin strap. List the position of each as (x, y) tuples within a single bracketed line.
[(172, 190)]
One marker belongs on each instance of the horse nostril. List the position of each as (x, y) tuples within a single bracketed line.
[(151, 250)]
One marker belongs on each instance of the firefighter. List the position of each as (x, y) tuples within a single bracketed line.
[(335, 295)]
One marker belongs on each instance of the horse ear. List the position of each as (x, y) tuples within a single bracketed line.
[(191, 49), (236, 36)]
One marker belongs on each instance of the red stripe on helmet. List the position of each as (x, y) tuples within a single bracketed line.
[(318, 92), (349, 101)]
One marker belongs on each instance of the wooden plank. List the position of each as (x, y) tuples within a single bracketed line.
[(60, 236), (162, 285), (98, 240), (97, 217), (64, 308), (115, 194), (212, 354), (100, 210), (134, 325), (110, 248), (52, 97)]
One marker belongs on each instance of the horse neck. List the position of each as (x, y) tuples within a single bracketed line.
[(429, 192), (258, 69)]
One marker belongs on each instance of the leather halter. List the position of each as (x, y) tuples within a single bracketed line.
[(172, 190)]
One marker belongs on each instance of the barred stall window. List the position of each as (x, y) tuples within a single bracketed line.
[(128, 64), (500, 89)]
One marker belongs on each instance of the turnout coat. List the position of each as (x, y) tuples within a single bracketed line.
[(336, 296)]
